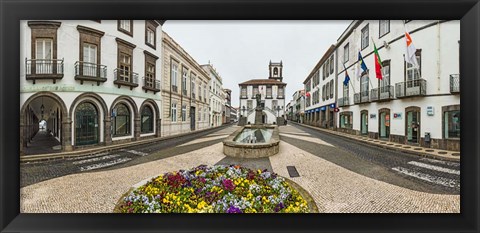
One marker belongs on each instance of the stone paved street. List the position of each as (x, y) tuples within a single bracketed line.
[(342, 176)]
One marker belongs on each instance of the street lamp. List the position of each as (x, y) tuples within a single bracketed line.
[(243, 110)]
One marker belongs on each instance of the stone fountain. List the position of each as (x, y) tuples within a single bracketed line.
[(253, 141)]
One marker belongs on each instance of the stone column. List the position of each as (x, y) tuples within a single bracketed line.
[(137, 128), (67, 134), (107, 130)]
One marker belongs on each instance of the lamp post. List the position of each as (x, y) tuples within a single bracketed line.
[(243, 110)]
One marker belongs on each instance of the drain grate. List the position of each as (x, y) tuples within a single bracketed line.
[(292, 171)]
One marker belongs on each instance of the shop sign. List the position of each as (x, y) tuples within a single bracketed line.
[(373, 116), (323, 108), (397, 115)]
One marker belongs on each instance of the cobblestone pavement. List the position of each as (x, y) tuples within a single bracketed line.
[(335, 188), (395, 167), (34, 172)]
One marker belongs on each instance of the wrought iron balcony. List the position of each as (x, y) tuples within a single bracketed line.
[(150, 84), (361, 97), (382, 93), (455, 83), (125, 78), (43, 69), (344, 101), (86, 71), (174, 88), (417, 87)]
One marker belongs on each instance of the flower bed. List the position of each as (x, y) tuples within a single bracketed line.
[(216, 189)]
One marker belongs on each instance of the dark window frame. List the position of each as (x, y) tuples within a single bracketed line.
[(130, 33), (150, 127), (365, 28), (127, 122), (152, 25), (379, 29)]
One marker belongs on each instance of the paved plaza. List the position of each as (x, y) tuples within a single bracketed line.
[(341, 176)]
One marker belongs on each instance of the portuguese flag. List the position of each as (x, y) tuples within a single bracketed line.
[(378, 62)]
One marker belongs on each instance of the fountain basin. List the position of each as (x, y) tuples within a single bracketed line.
[(252, 141)]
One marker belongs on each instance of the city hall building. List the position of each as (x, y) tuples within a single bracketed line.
[(89, 82), (417, 106), (272, 91)]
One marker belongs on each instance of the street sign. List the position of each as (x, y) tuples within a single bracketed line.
[(336, 109)]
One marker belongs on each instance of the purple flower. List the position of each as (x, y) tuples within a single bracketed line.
[(279, 207), (233, 210), (228, 184)]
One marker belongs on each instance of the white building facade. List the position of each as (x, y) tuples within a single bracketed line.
[(216, 98), (95, 82), (184, 90), (272, 91), (320, 92), (412, 106)]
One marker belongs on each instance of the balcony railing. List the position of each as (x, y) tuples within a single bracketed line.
[(150, 84), (243, 97), (184, 92), (455, 83), (125, 78), (86, 71), (382, 93), (344, 101), (174, 88), (280, 97), (43, 69), (417, 87), (193, 95), (361, 97)]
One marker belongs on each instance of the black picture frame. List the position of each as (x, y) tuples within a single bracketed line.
[(468, 11)]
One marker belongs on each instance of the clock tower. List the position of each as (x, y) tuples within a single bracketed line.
[(275, 70)]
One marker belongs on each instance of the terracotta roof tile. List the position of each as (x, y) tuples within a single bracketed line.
[(262, 81)]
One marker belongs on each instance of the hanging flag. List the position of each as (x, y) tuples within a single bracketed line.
[(361, 65), (378, 62), (308, 94), (347, 78), (410, 56)]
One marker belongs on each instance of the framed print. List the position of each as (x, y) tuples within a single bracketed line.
[(222, 116)]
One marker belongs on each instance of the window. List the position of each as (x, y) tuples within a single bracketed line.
[(331, 88), (192, 85), (44, 46), (331, 64), (184, 80), (327, 68), (125, 54), (184, 112), (126, 26), (345, 91), (384, 27), (173, 75), (121, 120), (323, 93), (249, 104), (346, 120), (205, 114), (452, 124), (275, 71), (244, 92), (413, 73), (89, 60), (125, 66), (385, 81), (173, 112), (364, 42), (150, 75), (327, 88), (43, 56), (147, 120), (307, 86), (280, 92), (200, 114), (364, 85), (274, 103), (345, 53), (255, 91), (205, 92), (150, 33), (86, 124), (269, 92)]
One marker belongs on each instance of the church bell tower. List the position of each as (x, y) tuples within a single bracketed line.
[(275, 70)]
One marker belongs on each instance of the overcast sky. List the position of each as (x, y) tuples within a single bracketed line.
[(242, 50)]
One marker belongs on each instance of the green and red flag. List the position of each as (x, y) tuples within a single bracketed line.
[(378, 62)]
